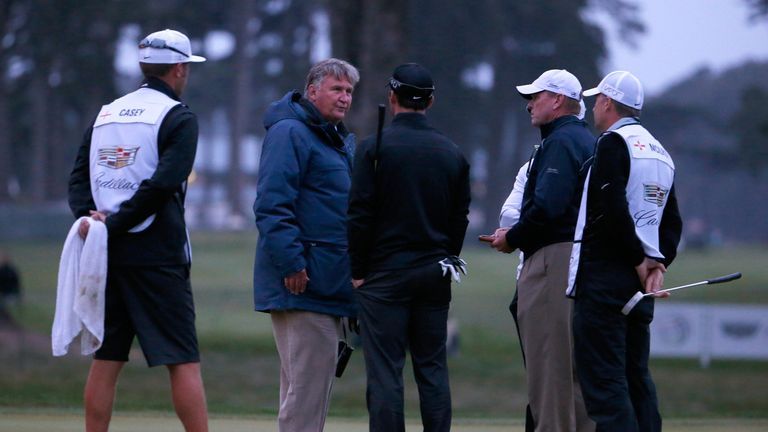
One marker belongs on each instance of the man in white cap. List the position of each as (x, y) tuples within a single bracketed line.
[(627, 233), (510, 214), (544, 233), (130, 173)]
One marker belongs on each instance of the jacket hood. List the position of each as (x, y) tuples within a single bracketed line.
[(295, 107), (285, 108)]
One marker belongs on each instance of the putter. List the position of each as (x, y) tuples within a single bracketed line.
[(382, 112), (639, 295)]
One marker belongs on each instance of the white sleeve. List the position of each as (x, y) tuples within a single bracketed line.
[(510, 211)]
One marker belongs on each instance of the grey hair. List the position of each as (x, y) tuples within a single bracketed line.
[(339, 69)]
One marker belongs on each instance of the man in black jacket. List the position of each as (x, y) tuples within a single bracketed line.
[(544, 234), (629, 227), (131, 173), (408, 211)]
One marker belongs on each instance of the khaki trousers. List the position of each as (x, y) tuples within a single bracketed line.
[(307, 343), (544, 320)]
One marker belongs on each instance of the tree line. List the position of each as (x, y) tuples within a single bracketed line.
[(58, 62)]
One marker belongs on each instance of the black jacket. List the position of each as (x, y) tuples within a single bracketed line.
[(164, 241), (411, 209), (555, 182)]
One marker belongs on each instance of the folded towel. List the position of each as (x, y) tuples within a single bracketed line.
[(80, 291)]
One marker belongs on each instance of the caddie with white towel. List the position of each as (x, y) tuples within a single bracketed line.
[(627, 234), (130, 173)]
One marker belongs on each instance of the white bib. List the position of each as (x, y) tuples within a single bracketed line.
[(124, 148), (651, 175)]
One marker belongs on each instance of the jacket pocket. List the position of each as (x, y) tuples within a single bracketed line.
[(329, 272)]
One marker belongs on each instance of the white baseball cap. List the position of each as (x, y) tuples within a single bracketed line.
[(621, 86), (167, 47), (555, 80)]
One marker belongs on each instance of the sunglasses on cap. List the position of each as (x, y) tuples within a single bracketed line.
[(159, 44), (394, 84)]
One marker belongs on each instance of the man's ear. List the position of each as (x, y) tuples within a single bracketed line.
[(180, 70), (607, 104), (559, 101), (311, 92)]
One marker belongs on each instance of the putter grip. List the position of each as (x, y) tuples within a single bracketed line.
[(382, 111), (379, 127), (726, 278)]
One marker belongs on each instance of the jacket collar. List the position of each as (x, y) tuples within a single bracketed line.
[(624, 121), (547, 129), (335, 134), (155, 83), (411, 118)]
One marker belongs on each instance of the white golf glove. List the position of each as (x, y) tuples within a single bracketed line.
[(455, 265)]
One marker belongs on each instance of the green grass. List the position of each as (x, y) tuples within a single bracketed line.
[(240, 364), (24, 421)]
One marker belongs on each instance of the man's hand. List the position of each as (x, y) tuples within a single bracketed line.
[(82, 230), (651, 275), (354, 325), (296, 283), (357, 282), (500, 241), (654, 282), (98, 216)]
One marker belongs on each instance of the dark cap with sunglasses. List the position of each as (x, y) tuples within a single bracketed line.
[(167, 47), (412, 80)]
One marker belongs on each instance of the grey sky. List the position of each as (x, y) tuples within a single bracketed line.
[(684, 35)]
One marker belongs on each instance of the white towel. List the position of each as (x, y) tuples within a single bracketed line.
[(80, 291)]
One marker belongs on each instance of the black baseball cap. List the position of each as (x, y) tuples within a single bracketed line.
[(412, 80)]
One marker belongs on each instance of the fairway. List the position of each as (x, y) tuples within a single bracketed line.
[(29, 422), (241, 369), (55, 422)]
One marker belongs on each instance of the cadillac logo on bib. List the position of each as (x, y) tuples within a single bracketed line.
[(117, 157), (654, 194)]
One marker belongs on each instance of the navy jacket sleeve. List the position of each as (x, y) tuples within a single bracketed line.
[(177, 144), (80, 197), (558, 178), (282, 166), (610, 174), (361, 214)]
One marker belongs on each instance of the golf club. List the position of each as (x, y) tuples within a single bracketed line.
[(380, 125), (640, 295)]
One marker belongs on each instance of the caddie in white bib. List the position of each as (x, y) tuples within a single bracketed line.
[(124, 148)]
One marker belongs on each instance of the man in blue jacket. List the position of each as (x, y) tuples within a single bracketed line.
[(544, 234), (301, 275)]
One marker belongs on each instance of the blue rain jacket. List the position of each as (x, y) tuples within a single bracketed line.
[(301, 210)]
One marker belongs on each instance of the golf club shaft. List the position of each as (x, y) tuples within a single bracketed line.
[(379, 126), (721, 279), (677, 288)]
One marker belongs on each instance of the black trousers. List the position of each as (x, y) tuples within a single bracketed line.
[(399, 310), (612, 350)]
